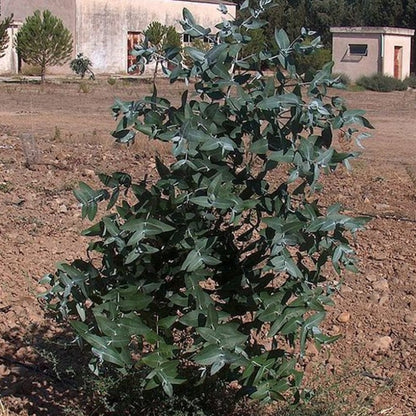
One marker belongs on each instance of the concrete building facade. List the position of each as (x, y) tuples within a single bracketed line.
[(358, 51), (105, 30)]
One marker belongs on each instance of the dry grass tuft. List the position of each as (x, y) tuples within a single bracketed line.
[(147, 147), (3, 410)]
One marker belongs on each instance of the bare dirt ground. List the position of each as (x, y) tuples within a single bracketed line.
[(53, 136)]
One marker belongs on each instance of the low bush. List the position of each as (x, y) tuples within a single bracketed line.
[(410, 81), (85, 86), (30, 70), (381, 83), (342, 78), (310, 64), (82, 65)]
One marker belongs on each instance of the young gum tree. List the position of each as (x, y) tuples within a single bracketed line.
[(218, 265)]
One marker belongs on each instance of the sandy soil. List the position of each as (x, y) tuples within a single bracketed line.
[(53, 136)]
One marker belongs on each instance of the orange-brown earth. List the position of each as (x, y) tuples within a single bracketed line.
[(55, 135)]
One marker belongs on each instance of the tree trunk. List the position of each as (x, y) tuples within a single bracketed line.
[(42, 75), (155, 73)]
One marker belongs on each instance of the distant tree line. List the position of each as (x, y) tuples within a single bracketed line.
[(320, 15)]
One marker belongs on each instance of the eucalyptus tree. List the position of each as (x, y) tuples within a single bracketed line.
[(220, 266)]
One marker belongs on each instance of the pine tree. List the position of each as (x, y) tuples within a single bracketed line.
[(409, 14), (322, 14), (43, 40), (382, 12), (4, 36)]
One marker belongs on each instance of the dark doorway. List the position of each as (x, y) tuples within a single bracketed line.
[(398, 56)]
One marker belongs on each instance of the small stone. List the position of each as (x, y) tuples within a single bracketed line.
[(344, 317), (89, 173), (40, 289), (410, 318), (346, 289), (383, 344), (62, 209), (377, 401), (371, 277), (381, 285), (4, 371), (21, 353), (335, 330), (374, 297), (384, 300), (312, 351)]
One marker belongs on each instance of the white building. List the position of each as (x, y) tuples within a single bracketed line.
[(106, 30), (358, 51)]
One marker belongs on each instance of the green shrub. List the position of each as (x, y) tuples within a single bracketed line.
[(84, 87), (82, 65), (218, 267), (381, 83), (342, 78), (30, 70), (410, 81), (310, 64)]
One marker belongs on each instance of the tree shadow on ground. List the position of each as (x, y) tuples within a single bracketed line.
[(42, 371)]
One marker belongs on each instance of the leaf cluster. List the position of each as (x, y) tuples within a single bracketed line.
[(158, 40), (220, 264)]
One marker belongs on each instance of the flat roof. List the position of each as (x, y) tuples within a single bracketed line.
[(373, 29)]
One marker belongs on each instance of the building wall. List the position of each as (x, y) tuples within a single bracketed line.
[(356, 66), (64, 9), (21, 9), (102, 26), (8, 63), (403, 42), (388, 51)]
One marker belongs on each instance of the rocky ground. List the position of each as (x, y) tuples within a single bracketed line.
[(53, 136)]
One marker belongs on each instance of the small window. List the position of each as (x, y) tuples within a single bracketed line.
[(358, 49)]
